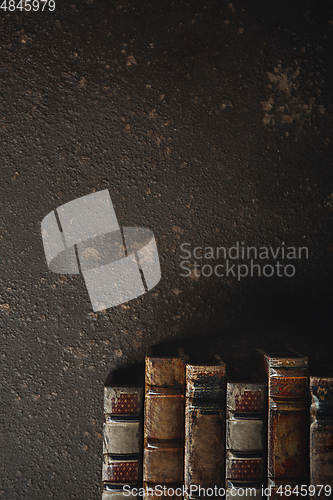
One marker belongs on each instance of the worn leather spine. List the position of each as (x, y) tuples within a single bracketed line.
[(245, 443), (288, 424), (122, 441), (321, 435), (163, 423), (204, 459)]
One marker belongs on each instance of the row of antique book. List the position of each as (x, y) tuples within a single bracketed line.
[(192, 433)]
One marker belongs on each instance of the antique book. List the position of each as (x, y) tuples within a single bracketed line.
[(321, 436), (245, 439), (204, 458), (122, 441), (163, 423), (288, 424)]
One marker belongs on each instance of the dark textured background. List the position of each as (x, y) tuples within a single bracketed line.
[(209, 123)]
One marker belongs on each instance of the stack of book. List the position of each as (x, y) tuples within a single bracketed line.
[(192, 433)]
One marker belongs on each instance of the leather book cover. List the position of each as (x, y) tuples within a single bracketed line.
[(204, 459), (321, 435), (163, 423), (122, 440), (245, 439), (288, 424)]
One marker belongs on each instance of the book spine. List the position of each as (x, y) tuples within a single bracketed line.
[(288, 431), (204, 459), (163, 424), (245, 445), (122, 443), (321, 436)]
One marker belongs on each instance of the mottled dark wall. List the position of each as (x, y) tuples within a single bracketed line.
[(209, 123)]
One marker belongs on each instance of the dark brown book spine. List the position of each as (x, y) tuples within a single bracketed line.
[(245, 439), (204, 460), (321, 436), (288, 424), (122, 443), (163, 423)]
